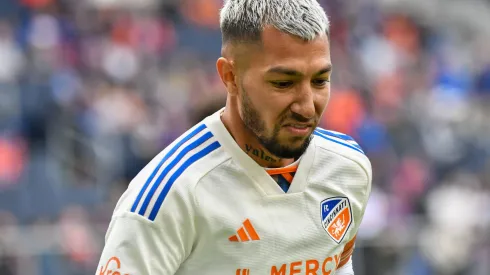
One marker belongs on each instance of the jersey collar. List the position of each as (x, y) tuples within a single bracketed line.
[(262, 181)]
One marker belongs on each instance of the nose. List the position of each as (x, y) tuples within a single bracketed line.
[(304, 103)]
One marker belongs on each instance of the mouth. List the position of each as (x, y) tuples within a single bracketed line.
[(298, 128)]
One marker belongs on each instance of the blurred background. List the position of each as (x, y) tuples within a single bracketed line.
[(91, 90)]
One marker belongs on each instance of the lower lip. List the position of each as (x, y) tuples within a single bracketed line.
[(298, 131)]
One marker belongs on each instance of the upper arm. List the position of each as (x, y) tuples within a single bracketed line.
[(347, 252), (346, 269), (344, 266), (152, 230), (137, 246), (146, 245)]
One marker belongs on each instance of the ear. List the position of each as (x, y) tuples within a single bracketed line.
[(225, 69)]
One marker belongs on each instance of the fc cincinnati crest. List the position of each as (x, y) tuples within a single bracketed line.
[(336, 217)]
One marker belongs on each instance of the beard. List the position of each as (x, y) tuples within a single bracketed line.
[(252, 120)]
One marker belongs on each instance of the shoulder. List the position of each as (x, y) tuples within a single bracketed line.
[(329, 138), (168, 181), (342, 148)]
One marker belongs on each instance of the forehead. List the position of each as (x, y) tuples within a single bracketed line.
[(279, 48)]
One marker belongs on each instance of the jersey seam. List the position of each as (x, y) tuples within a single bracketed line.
[(308, 175), (196, 203), (194, 200), (204, 175), (134, 216)]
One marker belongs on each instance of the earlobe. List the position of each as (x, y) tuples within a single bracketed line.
[(225, 71)]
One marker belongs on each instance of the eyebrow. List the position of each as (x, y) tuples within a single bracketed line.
[(291, 72)]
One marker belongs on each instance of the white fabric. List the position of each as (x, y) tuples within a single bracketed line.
[(188, 230), (346, 269)]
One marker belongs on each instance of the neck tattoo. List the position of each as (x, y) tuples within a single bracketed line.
[(259, 153)]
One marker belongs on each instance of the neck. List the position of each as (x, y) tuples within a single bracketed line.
[(248, 141)]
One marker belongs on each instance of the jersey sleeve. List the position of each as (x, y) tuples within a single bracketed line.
[(137, 246), (346, 269), (347, 253)]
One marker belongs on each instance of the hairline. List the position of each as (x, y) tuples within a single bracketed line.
[(258, 40), (236, 42)]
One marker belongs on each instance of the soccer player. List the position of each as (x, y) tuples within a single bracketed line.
[(257, 187)]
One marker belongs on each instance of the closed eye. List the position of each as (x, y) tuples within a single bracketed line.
[(320, 82), (282, 84)]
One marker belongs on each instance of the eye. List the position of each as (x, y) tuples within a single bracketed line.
[(281, 84), (320, 82)]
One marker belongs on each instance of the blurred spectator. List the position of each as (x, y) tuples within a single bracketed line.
[(8, 264), (11, 56), (455, 224), (11, 161)]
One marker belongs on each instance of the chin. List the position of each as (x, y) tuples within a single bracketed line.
[(294, 142), (284, 145), (290, 149), (291, 153)]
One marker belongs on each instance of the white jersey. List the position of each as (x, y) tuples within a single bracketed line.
[(203, 206)]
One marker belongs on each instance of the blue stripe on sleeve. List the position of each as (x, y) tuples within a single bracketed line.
[(338, 135), (210, 148), (169, 167), (339, 142), (167, 156)]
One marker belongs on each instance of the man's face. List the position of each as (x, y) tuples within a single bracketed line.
[(284, 90)]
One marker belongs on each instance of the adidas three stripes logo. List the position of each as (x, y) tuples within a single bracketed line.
[(245, 233)]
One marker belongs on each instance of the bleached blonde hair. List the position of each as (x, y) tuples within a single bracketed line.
[(244, 20)]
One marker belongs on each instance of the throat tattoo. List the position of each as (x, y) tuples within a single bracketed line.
[(258, 152)]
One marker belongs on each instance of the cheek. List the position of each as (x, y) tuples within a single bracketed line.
[(321, 101), (258, 102), (267, 103)]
